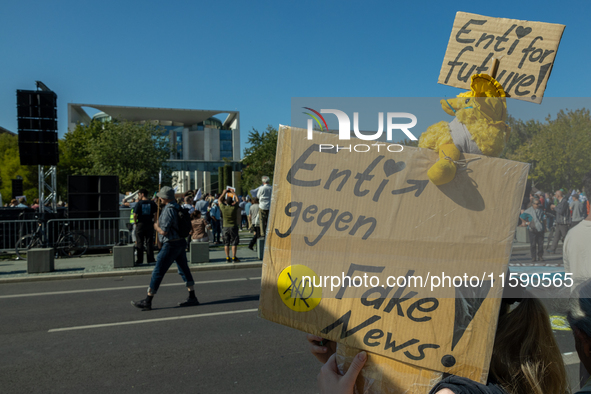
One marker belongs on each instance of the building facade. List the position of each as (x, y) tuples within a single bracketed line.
[(200, 141)]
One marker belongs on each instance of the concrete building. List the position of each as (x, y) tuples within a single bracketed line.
[(200, 142)]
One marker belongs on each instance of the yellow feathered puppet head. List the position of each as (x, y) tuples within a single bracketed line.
[(479, 127), (484, 103)]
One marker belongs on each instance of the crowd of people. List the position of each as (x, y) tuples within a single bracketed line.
[(556, 214), (222, 215), (21, 202), (215, 218)]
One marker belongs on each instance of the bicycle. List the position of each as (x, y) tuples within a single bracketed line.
[(69, 243)]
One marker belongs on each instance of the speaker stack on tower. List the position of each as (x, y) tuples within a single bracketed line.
[(93, 196), (37, 126)]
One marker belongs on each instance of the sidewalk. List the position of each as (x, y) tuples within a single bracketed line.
[(101, 265), (525, 246), (96, 266)]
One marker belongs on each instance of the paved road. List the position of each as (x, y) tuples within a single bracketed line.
[(73, 336), (84, 336)]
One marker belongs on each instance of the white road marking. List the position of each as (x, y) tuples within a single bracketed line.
[(151, 320), (122, 288)]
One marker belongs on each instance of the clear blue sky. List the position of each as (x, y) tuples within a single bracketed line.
[(253, 56)]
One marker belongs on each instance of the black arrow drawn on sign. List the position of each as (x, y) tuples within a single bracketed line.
[(468, 302), (419, 186)]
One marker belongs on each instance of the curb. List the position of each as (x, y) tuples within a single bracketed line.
[(90, 275)]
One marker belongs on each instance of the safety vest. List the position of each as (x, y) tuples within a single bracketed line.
[(131, 219)]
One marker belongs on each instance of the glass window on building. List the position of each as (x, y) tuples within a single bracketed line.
[(175, 134), (226, 144)]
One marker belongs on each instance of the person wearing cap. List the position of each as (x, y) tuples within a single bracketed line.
[(173, 250)]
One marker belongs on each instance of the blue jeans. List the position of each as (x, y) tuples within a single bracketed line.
[(216, 229), (172, 251)]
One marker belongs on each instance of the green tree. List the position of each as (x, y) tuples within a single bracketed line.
[(11, 168), (558, 150), (259, 158), (408, 142), (521, 135), (133, 152), (75, 149)]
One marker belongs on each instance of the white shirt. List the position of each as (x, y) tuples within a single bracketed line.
[(577, 252), (264, 196)]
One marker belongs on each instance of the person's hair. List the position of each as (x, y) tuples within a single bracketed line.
[(579, 309), (22, 200), (144, 192), (526, 358), (229, 199), (13, 201), (265, 179), (536, 200), (576, 196), (196, 214), (255, 200), (36, 201), (560, 193), (188, 200), (179, 201)]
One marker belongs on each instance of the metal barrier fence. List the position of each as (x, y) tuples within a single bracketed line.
[(12, 230), (101, 233)]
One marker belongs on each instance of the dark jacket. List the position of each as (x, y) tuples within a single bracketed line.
[(562, 212)]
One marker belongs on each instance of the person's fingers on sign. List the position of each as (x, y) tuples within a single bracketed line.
[(331, 382), (321, 348)]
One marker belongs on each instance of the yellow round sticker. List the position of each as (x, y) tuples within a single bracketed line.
[(559, 323), (296, 288)]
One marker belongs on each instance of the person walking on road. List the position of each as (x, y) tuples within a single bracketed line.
[(173, 250)]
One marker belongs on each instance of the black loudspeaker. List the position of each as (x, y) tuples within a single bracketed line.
[(17, 187), (93, 196), (37, 125), (32, 154)]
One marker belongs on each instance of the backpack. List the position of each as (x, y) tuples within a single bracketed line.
[(184, 225)]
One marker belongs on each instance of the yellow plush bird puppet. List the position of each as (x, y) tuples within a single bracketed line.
[(479, 127)]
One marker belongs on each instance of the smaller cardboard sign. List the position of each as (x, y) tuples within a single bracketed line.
[(526, 51)]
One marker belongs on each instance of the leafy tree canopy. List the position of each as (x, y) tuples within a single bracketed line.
[(133, 152), (259, 158), (11, 168), (558, 149)]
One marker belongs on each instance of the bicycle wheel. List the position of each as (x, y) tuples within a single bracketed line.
[(72, 244), (27, 242)]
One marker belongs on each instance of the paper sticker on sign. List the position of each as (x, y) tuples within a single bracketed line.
[(526, 51)]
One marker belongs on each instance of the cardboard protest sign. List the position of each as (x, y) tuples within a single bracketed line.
[(345, 213), (526, 51)]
